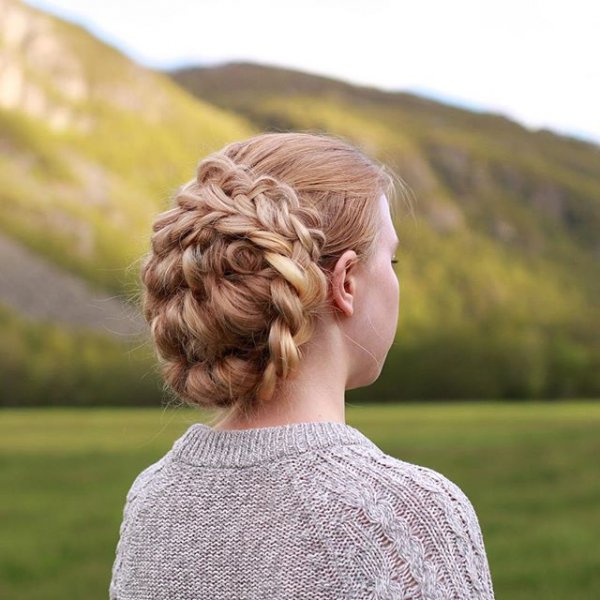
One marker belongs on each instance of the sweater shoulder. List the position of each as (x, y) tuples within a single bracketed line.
[(427, 480), (374, 477), (146, 477), (364, 466), (415, 523)]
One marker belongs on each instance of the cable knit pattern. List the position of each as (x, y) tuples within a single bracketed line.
[(307, 510)]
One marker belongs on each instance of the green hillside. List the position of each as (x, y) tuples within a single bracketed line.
[(499, 262), (91, 147), (499, 243)]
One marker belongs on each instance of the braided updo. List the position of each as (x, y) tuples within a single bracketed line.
[(238, 268)]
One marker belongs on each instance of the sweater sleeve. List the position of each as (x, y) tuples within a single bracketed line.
[(139, 483), (400, 530), (448, 533)]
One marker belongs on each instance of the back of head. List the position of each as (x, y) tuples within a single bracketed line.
[(238, 269)]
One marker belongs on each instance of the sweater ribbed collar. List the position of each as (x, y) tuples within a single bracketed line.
[(204, 445)]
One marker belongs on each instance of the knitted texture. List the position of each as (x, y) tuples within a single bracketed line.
[(306, 511)]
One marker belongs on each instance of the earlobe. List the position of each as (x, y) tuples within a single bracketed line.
[(344, 284), (349, 294), (343, 297)]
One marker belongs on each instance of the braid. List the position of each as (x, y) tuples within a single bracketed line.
[(232, 284)]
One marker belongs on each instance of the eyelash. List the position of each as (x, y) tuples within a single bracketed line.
[(394, 260)]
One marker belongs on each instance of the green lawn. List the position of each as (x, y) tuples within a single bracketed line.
[(530, 470)]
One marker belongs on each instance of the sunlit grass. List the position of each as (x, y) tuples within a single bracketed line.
[(529, 470)]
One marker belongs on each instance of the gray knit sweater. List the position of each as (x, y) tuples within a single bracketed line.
[(304, 511)]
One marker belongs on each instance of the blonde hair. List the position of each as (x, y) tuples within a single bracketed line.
[(239, 267)]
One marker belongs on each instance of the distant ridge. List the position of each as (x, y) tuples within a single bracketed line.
[(499, 260)]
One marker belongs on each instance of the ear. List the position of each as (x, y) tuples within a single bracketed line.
[(343, 283)]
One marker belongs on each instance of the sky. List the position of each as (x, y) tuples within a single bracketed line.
[(534, 61)]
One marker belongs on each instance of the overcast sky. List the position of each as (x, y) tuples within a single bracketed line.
[(535, 61)]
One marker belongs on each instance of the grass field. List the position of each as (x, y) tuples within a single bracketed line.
[(530, 470)]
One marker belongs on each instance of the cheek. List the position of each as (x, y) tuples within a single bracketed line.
[(395, 287), (390, 285), (394, 277)]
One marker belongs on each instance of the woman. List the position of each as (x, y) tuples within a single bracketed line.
[(270, 290)]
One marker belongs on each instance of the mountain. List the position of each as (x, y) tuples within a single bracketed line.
[(101, 140), (551, 176), (91, 147), (499, 253)]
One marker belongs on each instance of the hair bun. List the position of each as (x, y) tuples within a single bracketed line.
[(234, 280)]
